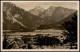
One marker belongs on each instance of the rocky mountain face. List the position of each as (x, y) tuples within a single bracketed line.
[(52, 14), (69, 18), (15, 18), (55, 14), (53, 17), (48, 12), (58, 25), (36, 11)]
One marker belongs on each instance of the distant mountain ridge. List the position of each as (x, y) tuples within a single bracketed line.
[(53, 14), (36, 11), (48, 12)]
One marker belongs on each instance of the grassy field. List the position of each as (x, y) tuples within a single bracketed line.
[(31, 35)]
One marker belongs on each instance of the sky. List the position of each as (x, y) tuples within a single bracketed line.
[(45, 5)]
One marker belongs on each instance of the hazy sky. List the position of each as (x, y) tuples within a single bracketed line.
[(45, 5)]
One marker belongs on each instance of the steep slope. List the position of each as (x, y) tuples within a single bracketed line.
[(15, 18), (55, 14), (61, 13), (36, 11), (58, 25), (47, 12), (69, 18)]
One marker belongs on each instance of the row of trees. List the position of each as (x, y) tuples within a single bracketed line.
[(39, 41), (47, 41)]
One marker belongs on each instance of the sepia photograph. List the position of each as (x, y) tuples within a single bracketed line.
[(39, 25)]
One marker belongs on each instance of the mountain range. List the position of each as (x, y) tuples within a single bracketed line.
[(16, 18), (54, 14)]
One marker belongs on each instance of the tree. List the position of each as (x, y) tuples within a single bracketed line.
[(5, 43), (47, 41), (29, 46), (26, 38), (71, 27)]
